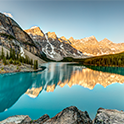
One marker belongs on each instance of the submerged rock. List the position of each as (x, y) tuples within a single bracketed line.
[(70, 115), (106, 116)]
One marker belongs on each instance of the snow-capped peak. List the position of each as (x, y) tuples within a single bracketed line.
[(33, 27)]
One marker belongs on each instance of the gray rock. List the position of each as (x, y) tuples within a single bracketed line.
[(106, 116), (26, 120), (70, 115), (14, 119), (41, 120)]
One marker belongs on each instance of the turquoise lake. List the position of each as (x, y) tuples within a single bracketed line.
[(58, 86)]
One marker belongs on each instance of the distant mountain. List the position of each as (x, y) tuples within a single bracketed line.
[(55, 48), (49, 46), (90, 46), (12, 36)]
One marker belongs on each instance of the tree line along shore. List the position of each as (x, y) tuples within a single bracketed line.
[(114, 60), (17, 59)]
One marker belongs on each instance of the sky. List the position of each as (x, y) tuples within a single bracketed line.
[(70, 18)]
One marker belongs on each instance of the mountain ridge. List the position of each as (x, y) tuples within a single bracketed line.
[(88, 46), (51, 47), (55, 48)]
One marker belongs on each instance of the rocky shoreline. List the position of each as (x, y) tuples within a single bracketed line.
[(15, 68), (71, 115)]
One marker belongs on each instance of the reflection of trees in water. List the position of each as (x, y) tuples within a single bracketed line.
[(116, 70)]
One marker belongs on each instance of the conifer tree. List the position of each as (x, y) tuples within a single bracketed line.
[(4, 60), (31, 62), (11, 53), (35, 64), (7, 56), (2, 54)]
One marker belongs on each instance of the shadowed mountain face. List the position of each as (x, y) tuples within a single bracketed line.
[(12, 36), (57, 48), (12, 86)]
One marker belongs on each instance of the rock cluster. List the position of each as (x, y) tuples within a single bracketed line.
[(71, 115)]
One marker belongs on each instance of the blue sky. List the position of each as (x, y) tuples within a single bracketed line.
[(76, 18)]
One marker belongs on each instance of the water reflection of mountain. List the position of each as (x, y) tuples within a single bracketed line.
[(12, 86), (62, 74)]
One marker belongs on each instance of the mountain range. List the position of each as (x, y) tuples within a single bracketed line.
[(55, 48), (77, 48), (35, 43)]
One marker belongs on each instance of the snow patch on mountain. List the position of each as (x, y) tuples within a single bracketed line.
[(53, 52), (22, 52), (79, 53), (61, 46), (33, 27)]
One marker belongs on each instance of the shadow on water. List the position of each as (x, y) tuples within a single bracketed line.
[(13, 85)]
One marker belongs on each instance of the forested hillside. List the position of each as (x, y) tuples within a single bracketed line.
[(106, 60)]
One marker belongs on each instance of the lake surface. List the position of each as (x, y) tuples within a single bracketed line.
[(61, 85)]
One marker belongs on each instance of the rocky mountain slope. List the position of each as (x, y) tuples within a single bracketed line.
[(90, 46), (49, 45), (55, 47), (12, 36)]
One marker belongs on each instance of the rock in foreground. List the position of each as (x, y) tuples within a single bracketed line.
[(106, 116), (70, 115), (15, 119)]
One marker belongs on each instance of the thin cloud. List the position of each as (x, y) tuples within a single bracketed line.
[(8, 14)]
